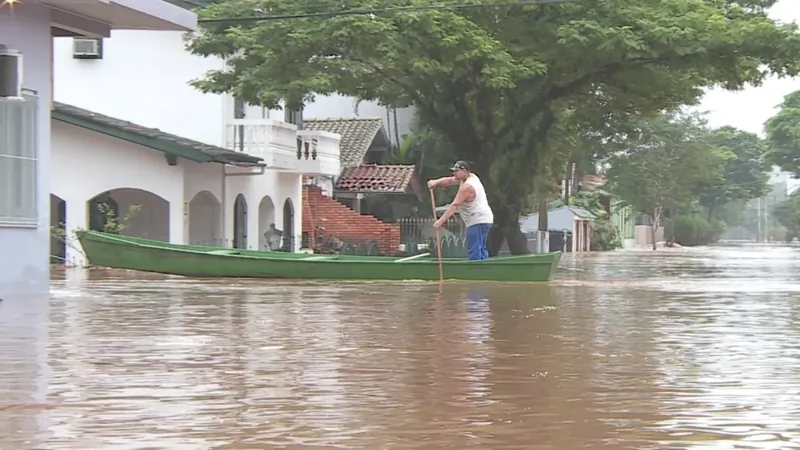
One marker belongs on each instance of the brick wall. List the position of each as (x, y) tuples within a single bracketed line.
[(344, 223)]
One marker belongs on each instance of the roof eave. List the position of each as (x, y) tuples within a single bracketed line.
[(126, 136), (244, 164), (165, 146)]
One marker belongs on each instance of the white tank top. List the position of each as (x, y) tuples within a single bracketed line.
[(478, 210)]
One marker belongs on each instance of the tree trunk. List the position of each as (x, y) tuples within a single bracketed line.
[(396, 129), (543, 216), (710, 212), (653, 229), (656, 218), (506, 229), (506, 217)]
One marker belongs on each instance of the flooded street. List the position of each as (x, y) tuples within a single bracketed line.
[(692, 349)]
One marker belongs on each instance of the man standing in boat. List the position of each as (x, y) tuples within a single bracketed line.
[(471, 204)]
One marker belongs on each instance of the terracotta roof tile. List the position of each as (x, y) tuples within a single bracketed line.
[(376, 178), (357, 136)]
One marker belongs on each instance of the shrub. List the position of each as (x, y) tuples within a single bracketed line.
[(605, 235), (691, 230)]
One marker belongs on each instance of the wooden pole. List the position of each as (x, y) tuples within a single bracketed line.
[(438, 237)]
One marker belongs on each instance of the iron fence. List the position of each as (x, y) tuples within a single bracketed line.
[(417, 235), (420, 229)]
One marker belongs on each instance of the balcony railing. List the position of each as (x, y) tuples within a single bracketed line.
[(318, 153), (275, 142)]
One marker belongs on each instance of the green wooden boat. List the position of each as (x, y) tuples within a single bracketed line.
[(122, 252)]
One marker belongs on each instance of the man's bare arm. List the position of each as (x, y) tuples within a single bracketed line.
[(464, 193), (444, 181)]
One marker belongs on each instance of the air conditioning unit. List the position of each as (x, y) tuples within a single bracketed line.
[(87, 48), (10, 73)]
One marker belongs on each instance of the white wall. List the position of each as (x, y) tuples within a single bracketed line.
[(265, 195), (143, 77), (260, 191), (326, 184), (24, 262), (185, 201), (87, 163), (203, 190), (204, 220)]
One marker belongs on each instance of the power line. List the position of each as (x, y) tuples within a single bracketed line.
[(370, 12)]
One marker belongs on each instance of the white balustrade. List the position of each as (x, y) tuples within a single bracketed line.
[(273, 141), (318, 153)]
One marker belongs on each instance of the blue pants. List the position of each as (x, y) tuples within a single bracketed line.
[(476, 241)]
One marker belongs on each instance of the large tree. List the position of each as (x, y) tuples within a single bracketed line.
[(496, 80), (666, 165), (783, 135), (787, 213), (743, 175)]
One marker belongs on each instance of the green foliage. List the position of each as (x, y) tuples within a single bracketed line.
[(433, 156), (787, 213), (690, 230), (605, 235), (734, 213), (497, 81), (666, 165), (778, 233), (113, 224), (743, 175), (783, 135)]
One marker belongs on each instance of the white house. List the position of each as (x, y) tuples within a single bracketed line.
[(204, 168), (187, 192), (155, 69), (133, 88), (28, 28)]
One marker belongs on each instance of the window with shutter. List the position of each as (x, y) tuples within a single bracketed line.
[(18, 161)]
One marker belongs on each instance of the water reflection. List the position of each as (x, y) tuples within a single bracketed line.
[(23, 371), (678, 349)]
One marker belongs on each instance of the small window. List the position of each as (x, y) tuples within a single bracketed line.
[(18, 161)]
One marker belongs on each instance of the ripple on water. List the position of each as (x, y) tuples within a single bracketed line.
[(690, 349)]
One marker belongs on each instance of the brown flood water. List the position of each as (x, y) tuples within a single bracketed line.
[(696, 349)]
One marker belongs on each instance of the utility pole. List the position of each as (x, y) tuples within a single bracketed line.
[(767, 234), (758, 218)]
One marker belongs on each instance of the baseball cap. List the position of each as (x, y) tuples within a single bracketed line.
[(460, 165)]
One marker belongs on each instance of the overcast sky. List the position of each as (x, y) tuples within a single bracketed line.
[(749, 109)]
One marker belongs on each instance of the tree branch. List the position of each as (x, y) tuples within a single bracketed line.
[(555, 92)]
